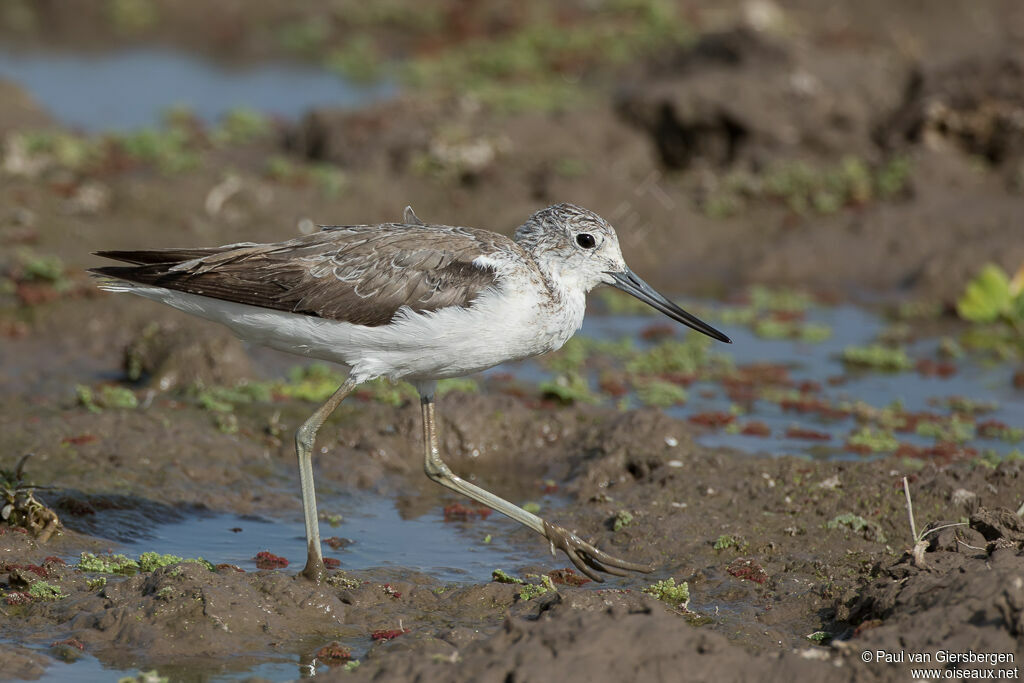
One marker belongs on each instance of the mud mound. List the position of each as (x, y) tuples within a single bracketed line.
[(972, 577), (185, 615), (608, 637), (21, 109), (737, 97), (974, 105), (181, 354), (21, 663), (381, 137)]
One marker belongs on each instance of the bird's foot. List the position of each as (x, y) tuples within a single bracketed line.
[(315, 570), (586, 557)]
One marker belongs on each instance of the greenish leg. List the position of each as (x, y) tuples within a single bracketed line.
[(586, 557), (305, 439)]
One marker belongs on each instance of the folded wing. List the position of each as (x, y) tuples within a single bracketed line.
[(355, 274)]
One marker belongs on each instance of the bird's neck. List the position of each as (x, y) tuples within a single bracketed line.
[(567, 282), (567, 299), (568, 294)]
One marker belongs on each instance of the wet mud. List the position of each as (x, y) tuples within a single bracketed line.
[(756, 539)]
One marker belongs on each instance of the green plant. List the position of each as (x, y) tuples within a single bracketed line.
[(306, 36), (463, 385), (107, 564), (771, 328), (40, 267), (224, 399), (954, 429), (242, 125), (725, 541), (358, 60), (342, 581), (780, 299), (110, 396), (529, 591), (572, 355), (667, 591), (677, 357), (537, 64), (992, 297), (499, 576), (42, 150), (383, 390), (149, 561), (857, 524), (314, 383), (658, 393), (570, 387), (328, 178), (622, 519), (877, 357), (805, 188), (920, 545), (131, 16), (875, 441), (169, 149), (41, 590), (620, 303)]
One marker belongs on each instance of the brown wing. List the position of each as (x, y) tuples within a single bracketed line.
[(358, 274)]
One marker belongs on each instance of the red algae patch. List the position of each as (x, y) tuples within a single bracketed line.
[(567, 577), (714, 419), (267, 560), (334, 654), (457, 512), (927, 367), (807, 434), (756, 428), (388, 634), (748, 570)]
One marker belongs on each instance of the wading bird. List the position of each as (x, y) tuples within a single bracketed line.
[(405, 301)]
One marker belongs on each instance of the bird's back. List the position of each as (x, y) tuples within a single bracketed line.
[(357, 274)]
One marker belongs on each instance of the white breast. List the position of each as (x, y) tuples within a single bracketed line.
[(511, 322)]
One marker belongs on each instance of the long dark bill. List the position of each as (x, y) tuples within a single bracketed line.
[(629, 283)]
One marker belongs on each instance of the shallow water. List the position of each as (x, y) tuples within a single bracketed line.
[(88, 669), (132, 88), (975, 379), (452, 552)]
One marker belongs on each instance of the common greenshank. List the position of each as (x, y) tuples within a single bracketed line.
[(405, 301)]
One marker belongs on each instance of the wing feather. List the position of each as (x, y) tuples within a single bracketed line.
[(357, 274)]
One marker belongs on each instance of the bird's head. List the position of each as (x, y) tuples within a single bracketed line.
[(579, 250)]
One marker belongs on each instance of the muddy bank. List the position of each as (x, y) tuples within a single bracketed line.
[(773, 550)]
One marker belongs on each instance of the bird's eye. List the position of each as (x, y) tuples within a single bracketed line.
[(586, 240)]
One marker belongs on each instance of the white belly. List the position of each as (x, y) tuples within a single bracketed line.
[(450, 342)]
